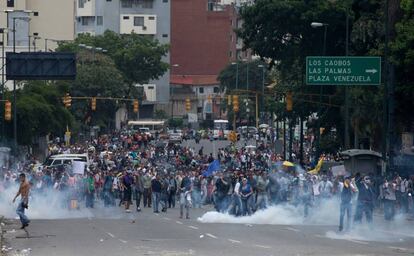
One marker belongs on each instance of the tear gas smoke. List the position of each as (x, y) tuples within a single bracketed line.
[(326, 214)]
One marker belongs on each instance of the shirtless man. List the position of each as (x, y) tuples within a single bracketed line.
[(23, 192)]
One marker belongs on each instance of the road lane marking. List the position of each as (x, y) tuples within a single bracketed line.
[(357, 241), (292, 229), (263, 246), (123, 241), (398, 248), (234, 241), (179, 222), (165, 218), (109, 234), (212, 236), (192, 227)]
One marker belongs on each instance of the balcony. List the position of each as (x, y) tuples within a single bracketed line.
[(141, 24), (85, 8)]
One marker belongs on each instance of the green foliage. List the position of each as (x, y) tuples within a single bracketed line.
[(175, 122), (236, 75), (160, 114), (40, 112), (138, 57)]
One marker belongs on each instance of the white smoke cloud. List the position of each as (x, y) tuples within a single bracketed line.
[(48, 206), (325, 214)]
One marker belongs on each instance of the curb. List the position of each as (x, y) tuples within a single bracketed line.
[(1, 236)]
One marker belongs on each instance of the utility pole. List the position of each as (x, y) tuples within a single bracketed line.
[(385, 141), (346, 130)]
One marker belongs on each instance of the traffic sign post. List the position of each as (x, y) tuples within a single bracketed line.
[(343, 70)]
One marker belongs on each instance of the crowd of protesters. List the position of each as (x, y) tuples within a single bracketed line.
[(134, 171)]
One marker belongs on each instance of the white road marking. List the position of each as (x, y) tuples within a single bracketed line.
[(192, 227), (398, 248), (123, 241), (234, 241), (212, 236), (292, 229), (357, 241), (109, 234), (179, 222), (165, 218), (262, 246)]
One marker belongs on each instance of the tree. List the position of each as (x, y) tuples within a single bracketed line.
[(139, 58), (97, 76), (236, 74), (40, 112)]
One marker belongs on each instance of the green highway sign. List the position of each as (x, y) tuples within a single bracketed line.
[(343, 70)]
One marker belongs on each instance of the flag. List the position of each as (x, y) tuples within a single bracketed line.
[(317, 167), (212, 168)]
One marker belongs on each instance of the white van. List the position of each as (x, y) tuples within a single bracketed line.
[(67, 159)]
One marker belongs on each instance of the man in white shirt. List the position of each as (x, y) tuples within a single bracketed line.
[(236, 204)]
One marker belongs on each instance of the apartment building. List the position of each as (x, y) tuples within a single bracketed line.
[(144, 17), (203, 43), (38, 22)]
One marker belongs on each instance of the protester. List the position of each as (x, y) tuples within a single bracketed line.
[(23, 192)]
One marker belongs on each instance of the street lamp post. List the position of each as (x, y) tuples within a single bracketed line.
[(262, 98), (318, 133), (172, 102), (2, 31), (27, 19), (237, 73)]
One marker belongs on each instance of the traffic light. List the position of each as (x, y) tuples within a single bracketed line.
[(136, 106), (187, 104), (289, 101), (93, 103), (67, 100), (7, 111), (236, 103), (232, 136), (229, 100)]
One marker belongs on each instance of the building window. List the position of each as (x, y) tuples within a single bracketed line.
[(99, 20), (81, 3), (125, 17), (230, 54), (10, 3), (109, 0), (126, 3), (150, 87), (35, 13), (151, 18), (216, 90), (147, 4), (164, 35), (138, 21), (201, 90), (84, 21), (165, 1)]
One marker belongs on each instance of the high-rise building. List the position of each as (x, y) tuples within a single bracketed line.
[(39, 24), (203, 43), (144, 17)]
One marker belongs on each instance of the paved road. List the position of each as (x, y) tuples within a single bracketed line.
[(117, 233), (213, 146)]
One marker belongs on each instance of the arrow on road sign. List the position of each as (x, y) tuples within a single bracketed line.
[(373, 71)]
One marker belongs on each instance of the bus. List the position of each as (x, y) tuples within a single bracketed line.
[(221, 129), (151, 125)]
